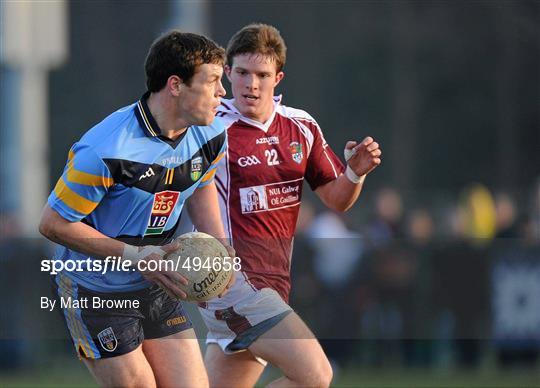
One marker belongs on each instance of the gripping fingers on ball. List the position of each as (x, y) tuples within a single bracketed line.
[(177, 292), (177, 278), (167, 291), (170, 247)]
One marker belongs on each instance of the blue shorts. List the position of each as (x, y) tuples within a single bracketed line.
[(103, 325)]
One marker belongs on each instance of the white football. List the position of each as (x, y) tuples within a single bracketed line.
[(204, 262)]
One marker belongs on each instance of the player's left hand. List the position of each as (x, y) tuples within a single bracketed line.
[(364, 157)]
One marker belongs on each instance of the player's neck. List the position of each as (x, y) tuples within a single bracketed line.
[(164, 112), (261, 117)]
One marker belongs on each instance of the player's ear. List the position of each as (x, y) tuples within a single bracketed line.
[(279, 77), (175, 85), (227, 70)]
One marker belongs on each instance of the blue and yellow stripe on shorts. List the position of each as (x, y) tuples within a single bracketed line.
[(82, 339)]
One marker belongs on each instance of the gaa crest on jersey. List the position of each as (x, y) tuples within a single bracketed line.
[(296, 151), (162, 208), (107, 339), (196, 168)]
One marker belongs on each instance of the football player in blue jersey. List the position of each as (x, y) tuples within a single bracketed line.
[(121, 193)]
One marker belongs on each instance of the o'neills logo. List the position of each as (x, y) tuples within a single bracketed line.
[(176, 321), (162, 208), (206, 282)]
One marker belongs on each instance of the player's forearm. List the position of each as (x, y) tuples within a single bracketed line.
[(340, 194), (78, 236), (203, 208)]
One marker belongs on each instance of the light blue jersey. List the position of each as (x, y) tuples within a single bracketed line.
[(129, 182)]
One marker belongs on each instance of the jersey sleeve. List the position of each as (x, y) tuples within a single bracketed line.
[(84, 182), (208, 177), (323, 164)]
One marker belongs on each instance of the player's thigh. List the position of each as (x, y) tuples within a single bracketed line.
[(176, 360), (231, 370), (128, 370), (292, 347)]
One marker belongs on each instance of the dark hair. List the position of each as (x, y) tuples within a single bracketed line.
[(258, 38), (179, 53)]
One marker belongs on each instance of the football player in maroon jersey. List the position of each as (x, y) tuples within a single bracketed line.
[(272, 149)]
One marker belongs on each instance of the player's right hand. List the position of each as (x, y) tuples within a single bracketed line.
[(364, 157), (167, 280)]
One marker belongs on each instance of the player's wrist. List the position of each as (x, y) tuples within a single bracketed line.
[(353, 177), (131, 253)]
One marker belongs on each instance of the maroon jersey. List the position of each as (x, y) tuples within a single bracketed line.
[(260, 187)]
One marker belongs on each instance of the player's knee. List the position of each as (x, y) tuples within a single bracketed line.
[(137, 378), (134, 376), (324, 375), (319, 375), (327, 374)]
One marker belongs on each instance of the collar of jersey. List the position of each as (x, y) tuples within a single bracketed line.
[(149, 124), (263, 127)]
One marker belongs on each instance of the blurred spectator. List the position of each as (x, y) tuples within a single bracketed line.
[(420, 227), (337, 249), (394, 293), (336, 254), (459, 275), (420, 240), (385, 224), (479, 211), (505, 213), (306, 286)]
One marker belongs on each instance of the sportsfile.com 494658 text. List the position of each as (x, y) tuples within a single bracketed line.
[(116, 263)]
